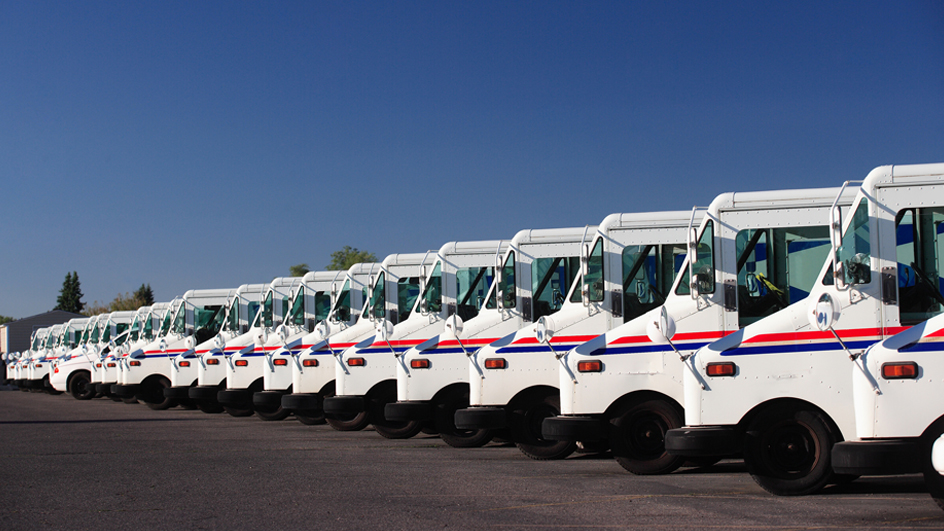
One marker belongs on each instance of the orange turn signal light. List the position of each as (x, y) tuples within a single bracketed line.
[(900, 370), (213, 361), (496, 363), (723, 368), (134, 363), (309, 363), (112, 364), (98, 365), (356, 362), (590, 366), (184, 364), (419, 364), (242, 363), (280, 362)]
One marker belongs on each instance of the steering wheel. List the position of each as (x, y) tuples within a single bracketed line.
[(923, 277), (774, 290)]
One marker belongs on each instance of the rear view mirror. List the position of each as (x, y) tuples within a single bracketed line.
[(454, 324)]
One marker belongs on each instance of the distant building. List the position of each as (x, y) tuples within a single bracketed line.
[(15, 335)]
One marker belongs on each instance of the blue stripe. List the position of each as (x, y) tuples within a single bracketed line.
[(797, 347), (456, 350), (923, 347), (385, 350), (562, 347), (609, 351)]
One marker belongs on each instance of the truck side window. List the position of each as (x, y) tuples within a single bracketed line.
[(550, 278), (472, 285), (322, 305), (378, 299), (408, 289), (508, 284), (342, 308), (855, 251), (594, 279), (919, 247), (433, 295), (704, 264), (267, 310)]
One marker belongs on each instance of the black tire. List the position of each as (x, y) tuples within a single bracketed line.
[(313, 417), (525, 421), (238, 411), (209, 406), (129, 400), (788, 450), (277, 413), (347, 422), (637, 436), (444, 415), (376, 400), (152, 394), (80, 386), (933, 479)]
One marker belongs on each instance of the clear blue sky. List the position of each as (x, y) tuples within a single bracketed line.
[(211, 144)]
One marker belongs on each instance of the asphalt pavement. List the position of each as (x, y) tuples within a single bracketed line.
[(99, 464)]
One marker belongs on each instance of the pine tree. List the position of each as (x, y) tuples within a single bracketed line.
[(70, 296), (144, 295)]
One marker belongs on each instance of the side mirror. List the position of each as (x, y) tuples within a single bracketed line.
[(163, 345), (544, 330), (454, 324), (219, 342), (190, 343), (282, 332), (824, 312), (385, 329), (262, 337), (692, 258), (323, 328), (661, 327)]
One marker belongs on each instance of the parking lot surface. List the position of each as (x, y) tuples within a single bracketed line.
[(101, 464)]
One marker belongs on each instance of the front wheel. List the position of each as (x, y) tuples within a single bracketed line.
[(80, 386), (311, 417), (525, 425), (209, 406), (238, 411), (788, 450), (277, 413), (444, 418), (637, 437), (153, 394)]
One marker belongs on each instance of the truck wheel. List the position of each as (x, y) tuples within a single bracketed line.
[(310, 417), (130, 400), (80, 386), (186, 403), (209, 406), (444, 415), (787, 450), (637, 437), (345, 423), (933, 466), (153, 394), (238, 411), (277, 413), (525, 425), (376, 400)]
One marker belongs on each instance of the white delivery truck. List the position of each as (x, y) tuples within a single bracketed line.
[(755, 253), (246, 356), (514, 381), (532, 279), (313, 367), (148, 369), (144, 329), (366, 373), (26, 358), (779, 390), (68, 339), (309, 304), (211, 372), (38, 370), (73, 372)]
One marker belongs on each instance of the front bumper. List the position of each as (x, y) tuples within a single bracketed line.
[(480, 418), (268, 399), (302, 402), (574, 429), (234, 397), (344, 405), (409, 410), (703, 441), (877, 457), (180, 392), (124, 391)]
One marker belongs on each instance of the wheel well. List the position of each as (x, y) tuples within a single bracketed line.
[(327, 388), (933, 427), (458, 387), (73, 374), (637, 397), (530, 394), (257, 385), (789, 403), (150, 380), (383, 387)]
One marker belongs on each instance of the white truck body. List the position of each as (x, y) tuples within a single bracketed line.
[(534, 274), (365, 374), (145, 329), (779, 389), (762, 251)]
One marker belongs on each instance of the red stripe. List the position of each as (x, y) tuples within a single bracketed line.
[(472, 342), (558, 339), (814, 335)]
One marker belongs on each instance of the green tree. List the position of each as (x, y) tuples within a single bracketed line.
[(298, 270), (4, 319), (144, 295), (70, 296), (349, 256)]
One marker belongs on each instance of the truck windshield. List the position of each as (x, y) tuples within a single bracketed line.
[(180, 319), (472, 287), (297, 314), (86, 332), (342, 307), (135, 329), (920, 248), (267, 310), (378, 300), (232, 315), (322, 305), (120, 336), (106, 332), (777, 267), (207, 321), (854, 253), (704, 264), (433, 294), (94, 337), (506, 288), (147, 332), (165, 325), (550, 278), (408, 289)]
